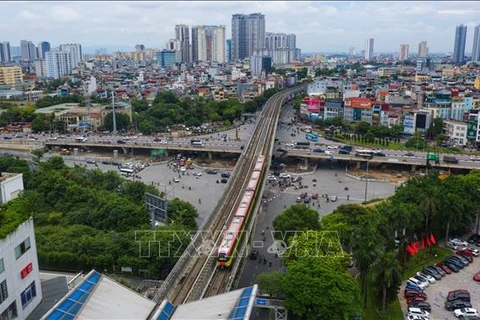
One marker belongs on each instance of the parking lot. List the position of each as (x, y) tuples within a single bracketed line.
[(437, 292)]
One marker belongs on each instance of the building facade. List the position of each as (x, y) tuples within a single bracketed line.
[(182, 34), (28, 50), (42, 48), (422, 49), (259, 64), (166, 58), (40, 68), (209, 44), (58, 64), (369, 49), (459, 45), (476, 44), (248, 34), (11, 75), (403, 52), (6, 53), (75, 51)]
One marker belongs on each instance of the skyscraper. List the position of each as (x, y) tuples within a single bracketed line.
[(7, 55), (209, 43), (422, 49), (248, 34), (228, 50), (75, 51), (28, 49), (403, 52), (183, 35), (459, 45), (369, 49), (57, 63), (43, 47), (476, 44)]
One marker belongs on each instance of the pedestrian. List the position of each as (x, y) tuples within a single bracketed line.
[(348, 197)]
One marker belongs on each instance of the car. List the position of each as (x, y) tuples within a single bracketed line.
[(253, 255), (211, 171), (306, 200), (284, 175), (422, 305), (121, 141), (224, 180), (319, 150), (91, 161), (410, 154), (459, 242), (425, 278), (413, 287), (298, 200), (290, 144), (466, 254), (52, 138), (418, 283), (475, 252), (451, 245), (465, 312), (476, 276), (436, 269), (414, 317), (379, 154), (281, 150), (445, 268), (451, 260), (7, 137), (183, 169), (332, 147), (474, 238), (457, 304), (455, 268), (314, 196), (176, 179), (469, 317), (415, 300), (32, 139), (341, 151), (458, 294), (418, 312), (432, 273), (410, 293), (464, 258), (328, 152), (225, 175)]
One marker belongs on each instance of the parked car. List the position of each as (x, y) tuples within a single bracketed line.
[(425, 277), (475, 252), (458, 294), (413, 287), (422, 305), (411, 293), (437, 270), (418, 312), (464, 258), (452, 266), (432, 273), (445, 268), (415, 299), (225, 175), (451, 245), (476, 276), (211, 171), (224, 180), (450, 260), (418, 283), (459, 242), (465, 312), (414, 317), (464, 251), (314, 196), (457, 304), (474, 238)]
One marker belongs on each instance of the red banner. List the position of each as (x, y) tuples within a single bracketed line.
[(26, 271), (432, 239)]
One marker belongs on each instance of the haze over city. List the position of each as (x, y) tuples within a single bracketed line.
[(319, 26)]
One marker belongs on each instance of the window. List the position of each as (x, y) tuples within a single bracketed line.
[(2, 266), (28, 295), (22, 248), (3, 291), (10, 313)]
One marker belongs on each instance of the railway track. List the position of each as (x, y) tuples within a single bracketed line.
[(200, 271)]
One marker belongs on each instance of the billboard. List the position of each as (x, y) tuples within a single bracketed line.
[(313, 104), (409, 124), (472, 129), (157, 207), (363, 103)]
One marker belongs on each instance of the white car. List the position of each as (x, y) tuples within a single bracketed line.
[(418, 312), (429, 278), (183, 169), (332, 147), (459, 242), (451, 245), (284, 175), (290, 144), (176, 179), (422, 285), (465, 312), (328, 152), (415, 317), (474, 251)]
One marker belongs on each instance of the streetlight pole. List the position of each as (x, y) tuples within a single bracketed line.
[(113, 113), (366, 183)]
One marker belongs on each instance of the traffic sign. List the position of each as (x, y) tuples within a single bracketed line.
[(262, 302)]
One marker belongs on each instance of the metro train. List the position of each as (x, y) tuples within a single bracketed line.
[(233, 234)]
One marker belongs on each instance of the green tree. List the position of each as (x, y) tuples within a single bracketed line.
[(270, 282), (122, 121), (387, 276), (183, 213), (295, 218), (317, 291)]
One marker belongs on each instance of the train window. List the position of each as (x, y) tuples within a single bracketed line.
[(243, 205), (230, 236)]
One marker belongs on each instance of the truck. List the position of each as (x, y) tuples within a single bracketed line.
[(433, 157), (450, 159), (346, 149)]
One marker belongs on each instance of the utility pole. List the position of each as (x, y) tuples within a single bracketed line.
[(113, 113), (366, 182)]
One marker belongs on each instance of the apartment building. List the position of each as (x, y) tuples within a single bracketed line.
[(11, 75)]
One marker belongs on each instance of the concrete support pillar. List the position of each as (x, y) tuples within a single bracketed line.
[(166, 153), (414, 168), (210, 155), (358, 164), (305, 162), (125, 151)]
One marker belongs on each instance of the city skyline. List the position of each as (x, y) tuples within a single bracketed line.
[(319, 26)]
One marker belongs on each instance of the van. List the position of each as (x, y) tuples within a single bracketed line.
[(450, 159)]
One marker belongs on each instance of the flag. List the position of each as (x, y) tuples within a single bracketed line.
[(410, 250), (432, 239), (429, 243), (423, 243), (415, 246)]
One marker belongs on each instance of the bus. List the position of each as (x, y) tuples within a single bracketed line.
[(303, 145), (311, 137), (364, 153), (196, 142), (127, 171)]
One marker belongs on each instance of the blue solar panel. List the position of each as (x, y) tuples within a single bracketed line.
[(72, 303), (166, 312), (242, 304)]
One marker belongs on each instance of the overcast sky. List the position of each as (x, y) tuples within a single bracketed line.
[(326, 26)]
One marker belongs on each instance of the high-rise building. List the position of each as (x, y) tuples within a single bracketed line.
[(280, 47), (11, 75), (2, 53), (40, 68), (175, 45), (422, 49), (139, 47), (248, 34), (459, 45), (58, 63), (75, 51), (476, 44), (29, 52), (403, 52), (166, 58), (228, 50), (43, 47), (7, 55), (208, 43), (369, 49), (182, 34), (259, 64)]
